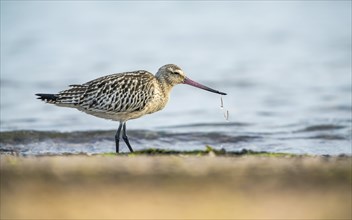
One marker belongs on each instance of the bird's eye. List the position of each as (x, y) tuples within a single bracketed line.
[(176, 72)]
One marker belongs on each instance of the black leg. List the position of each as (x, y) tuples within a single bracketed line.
[(117, 137), (125, 138)]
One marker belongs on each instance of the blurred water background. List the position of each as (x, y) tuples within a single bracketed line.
[(286, 66)]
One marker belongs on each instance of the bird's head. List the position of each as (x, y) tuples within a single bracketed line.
[(172, 75)]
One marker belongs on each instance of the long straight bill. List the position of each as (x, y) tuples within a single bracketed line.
[(198, 85)]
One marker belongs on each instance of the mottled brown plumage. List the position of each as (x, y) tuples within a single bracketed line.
[(123, 96)]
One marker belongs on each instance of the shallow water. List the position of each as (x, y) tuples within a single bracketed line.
[(286, 67)]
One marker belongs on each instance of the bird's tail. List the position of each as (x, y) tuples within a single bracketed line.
[(49, 98), (67, 98)]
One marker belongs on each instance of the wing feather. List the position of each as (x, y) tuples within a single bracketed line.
[(126, 92)]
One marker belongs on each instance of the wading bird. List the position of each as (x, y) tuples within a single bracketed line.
[(123, 96)]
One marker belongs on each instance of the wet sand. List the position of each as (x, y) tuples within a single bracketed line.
[(175, 187)]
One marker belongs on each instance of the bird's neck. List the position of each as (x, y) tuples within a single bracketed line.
[(165, 86)]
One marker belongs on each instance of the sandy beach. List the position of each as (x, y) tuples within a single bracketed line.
[(175, 187)]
